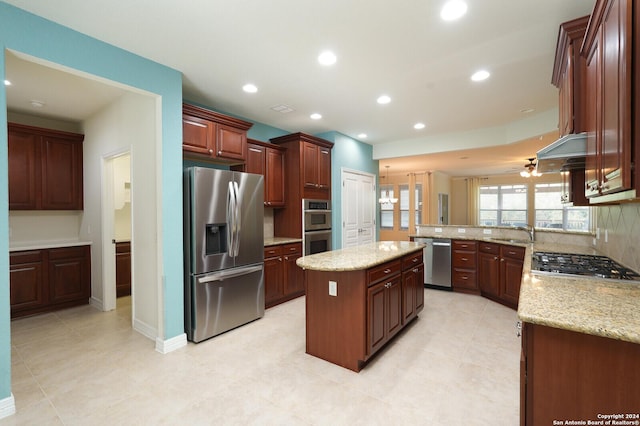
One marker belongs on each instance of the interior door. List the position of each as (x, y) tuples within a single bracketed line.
[(358, 208)]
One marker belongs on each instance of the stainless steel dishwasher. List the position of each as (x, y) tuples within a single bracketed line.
[(437, 262)]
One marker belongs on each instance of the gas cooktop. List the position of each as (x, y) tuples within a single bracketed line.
[(581, 264)]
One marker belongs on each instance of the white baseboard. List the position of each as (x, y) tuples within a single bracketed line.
[(170, 345), (145, 329), (96, 303), (7, 407)]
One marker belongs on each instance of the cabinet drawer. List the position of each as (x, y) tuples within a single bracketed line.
[(464, 259), (20, 257), (273, 251), (67, 252), (412, 260), (512, 252), (384, 271), (295, 248), (492, 248), (463, 278), (464, 245), (124, 247)]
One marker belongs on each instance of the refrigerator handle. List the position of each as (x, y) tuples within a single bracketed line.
[(238, 218), (231, 208), (225, 275)]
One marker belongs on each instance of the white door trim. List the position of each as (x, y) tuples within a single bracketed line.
[(343, 172)]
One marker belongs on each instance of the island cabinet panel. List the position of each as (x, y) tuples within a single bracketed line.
[(367, 309), (567, 375)]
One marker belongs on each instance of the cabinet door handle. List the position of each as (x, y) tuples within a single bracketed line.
[(518, 329), (280, 259), (415, 270), (495, 257), (219, 152), (465, 259), (502, 259), (286, 258), (386, 271), (415, 259), (210, 151)]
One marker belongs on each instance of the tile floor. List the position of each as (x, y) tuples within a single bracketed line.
[(457, 364)]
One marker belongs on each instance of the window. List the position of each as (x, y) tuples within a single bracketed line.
[(503, 205), (386, 209), (551, 213), (404, 207)]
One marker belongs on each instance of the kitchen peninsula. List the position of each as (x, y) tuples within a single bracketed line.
[(358, 298)]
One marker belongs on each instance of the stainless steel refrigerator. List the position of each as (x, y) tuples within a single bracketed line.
[(223, 250)]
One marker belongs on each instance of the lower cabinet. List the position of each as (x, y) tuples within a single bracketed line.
[(49, 279), (352, 314), (123, 269), (500, 272), (283, 279), (568, 375), (464, 265), (384, 302)]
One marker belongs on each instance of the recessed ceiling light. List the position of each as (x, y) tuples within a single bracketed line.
[(327, 58), (480, 75), (384, 99), (419, 126), (453, 9), (250, 88), (362, 135), (7, 83), (315, 116)]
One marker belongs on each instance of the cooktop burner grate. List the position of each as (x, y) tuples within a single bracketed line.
[(581, 264)]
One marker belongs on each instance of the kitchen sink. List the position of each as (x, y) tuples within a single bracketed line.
[(510, 240)]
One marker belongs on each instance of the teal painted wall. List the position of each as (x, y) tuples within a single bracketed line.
[(23, 32), (350, 154)]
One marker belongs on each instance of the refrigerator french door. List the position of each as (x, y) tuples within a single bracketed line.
[(224, 256)]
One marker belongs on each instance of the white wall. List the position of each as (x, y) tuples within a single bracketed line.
[(127, 124), (122, 197)]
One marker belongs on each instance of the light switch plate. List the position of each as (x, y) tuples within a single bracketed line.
[(333, 288)]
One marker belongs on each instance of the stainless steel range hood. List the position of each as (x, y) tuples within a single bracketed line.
[(566, 153)]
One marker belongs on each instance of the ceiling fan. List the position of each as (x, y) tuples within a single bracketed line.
[(530, 169)]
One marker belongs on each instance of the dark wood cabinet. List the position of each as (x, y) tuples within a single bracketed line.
[(412, 286), (27, 274), (123, 269), (500, 272), (573, 185), (611, 45), (268, 160), (569, 375), (368, 308), (209, 135), (464, 260), (45, 169), (283, 279), (49, 279), (308, 163)]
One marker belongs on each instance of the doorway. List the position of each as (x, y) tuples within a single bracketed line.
[(358, 208)]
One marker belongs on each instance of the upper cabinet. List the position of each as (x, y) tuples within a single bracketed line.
[(208, 135), (268, 160), (569, 76), (45, 169), (309, 164), (611, 45)]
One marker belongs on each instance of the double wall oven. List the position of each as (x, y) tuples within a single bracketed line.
[(316, 226)]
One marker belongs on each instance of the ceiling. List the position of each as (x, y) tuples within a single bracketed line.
[(402, 49)]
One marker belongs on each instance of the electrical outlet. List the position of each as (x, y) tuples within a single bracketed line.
[(486, 231), (597, 233), (438, 230), (606, 235), (461, 230), (333, 288)]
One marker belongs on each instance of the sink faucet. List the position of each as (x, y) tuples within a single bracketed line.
[(529, 229)]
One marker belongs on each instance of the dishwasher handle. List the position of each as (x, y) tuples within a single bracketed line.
[(437, 243)]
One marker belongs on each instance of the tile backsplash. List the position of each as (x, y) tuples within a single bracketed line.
[(619, 234)]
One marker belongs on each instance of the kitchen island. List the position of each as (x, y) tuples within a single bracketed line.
[(359, 298)]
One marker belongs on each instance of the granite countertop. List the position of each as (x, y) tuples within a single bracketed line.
[(600, 307), (358, 258), (274, 241), (39, 245)]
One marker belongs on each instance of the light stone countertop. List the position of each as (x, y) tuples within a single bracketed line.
[(40, 245), (358, 258), (275, 241)]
